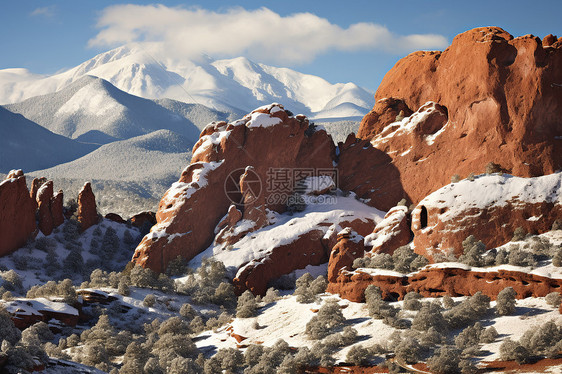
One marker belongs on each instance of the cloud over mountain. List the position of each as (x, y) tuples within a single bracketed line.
[(260, 34)]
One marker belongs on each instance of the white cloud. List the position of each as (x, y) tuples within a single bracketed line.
[(47, 11), (258, 34)]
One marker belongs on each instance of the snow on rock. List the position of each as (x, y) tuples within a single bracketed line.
[(237, 161), (490, 207), (26, 312), (472, 121), (392, 232), (17, 213)]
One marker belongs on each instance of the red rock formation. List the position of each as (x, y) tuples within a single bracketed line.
[(143, 219), (306, 250), (17, 213), (349, 247), (35, 184), (369, 173), (491, 207), (441, 281), (44, 199), (312, 247), (87, 211), (57, 209), (267, 139), (392, 232), (115, 218), (501, 102)]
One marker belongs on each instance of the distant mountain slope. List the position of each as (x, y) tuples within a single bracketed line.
[(198, 114), (233, 85), (92, 109), (28, 146), (158, 156)]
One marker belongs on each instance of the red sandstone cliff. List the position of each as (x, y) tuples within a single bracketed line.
[(494, 98)]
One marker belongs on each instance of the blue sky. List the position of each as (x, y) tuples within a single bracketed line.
[(48, 36)]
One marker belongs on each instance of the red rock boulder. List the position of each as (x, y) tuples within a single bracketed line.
[(392, 232), (452, 279), (143, 219), (349, 247), (87, 210), (17, 213), (57, 209), (489, 97), (267, 139), (490, 207), (44, 200)]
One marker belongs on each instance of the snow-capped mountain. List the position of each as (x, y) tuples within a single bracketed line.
[(233, 85), (93, 110), (28, 146)]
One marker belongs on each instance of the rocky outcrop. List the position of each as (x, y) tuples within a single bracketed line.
[(449, 279), (27, 312), (369, 173), (143, 220), (45, 217), (57, 209), (49, 208), (490, 207), (489, 97), (348, 248), (270, 141), (115, 218), (392, 232), (87, 210), (17, 213)]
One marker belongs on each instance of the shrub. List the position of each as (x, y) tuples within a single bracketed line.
[(492, 168), (303, 291), (455, 178), (429, 316), (329, 317), (405, 260), (518, 257), (412, 301), (553, 299), (357, 355), (253, 354), (557, 225), (542, 339), (177, 267), (468, 311), (473, 251), (448, 302), (271, 296), (489, 335), (511, 350), (247, 305), (12, 281), (224, 295), (149, 300), (445, 361), (469, 337), (408, 350), (381, 261), (505, 302), (318, 285), (557, 259), (123, 288), (519, 234)]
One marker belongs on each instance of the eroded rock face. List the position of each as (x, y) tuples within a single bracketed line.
[(17, 213), (143, 219), (392, 232), (268, 140), (44, 200), (369, 173), (87, 211), (348, 248), (441, 281), (490, 207), (489, 97), (57, 209)]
